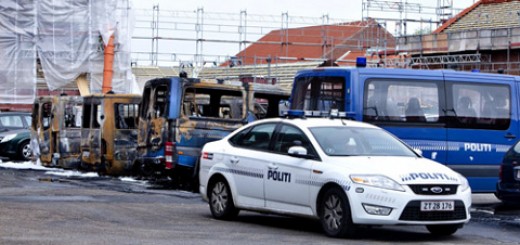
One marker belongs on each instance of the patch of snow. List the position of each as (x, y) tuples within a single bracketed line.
[(72, 173), (50, 171), (130, 179), (23, 165)]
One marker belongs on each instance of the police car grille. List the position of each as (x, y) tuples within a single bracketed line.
[(413, 212), (427, 189)]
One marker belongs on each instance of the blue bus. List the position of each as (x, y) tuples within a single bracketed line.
[(466, 120)]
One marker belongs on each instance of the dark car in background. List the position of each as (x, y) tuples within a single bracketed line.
[(14, 120), (15, 144), (508, 185)]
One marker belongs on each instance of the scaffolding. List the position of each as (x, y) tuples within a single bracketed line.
[(219, 36), (401, 13)]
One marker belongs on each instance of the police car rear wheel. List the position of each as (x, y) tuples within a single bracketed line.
[(335, 215), (221, 201), (442, 230)]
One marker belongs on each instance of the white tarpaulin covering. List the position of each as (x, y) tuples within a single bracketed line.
[(68, 37), (17, 51)]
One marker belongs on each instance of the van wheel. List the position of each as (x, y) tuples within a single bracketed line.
[(146, 170), (335, 215), (443, 230), (221, 201), (195, 177)]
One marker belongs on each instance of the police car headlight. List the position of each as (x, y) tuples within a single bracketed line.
[(376, 181), (464, 185), (8, 138)]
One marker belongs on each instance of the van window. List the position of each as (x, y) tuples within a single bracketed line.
[(154, 102), (213, 103), (401, 101), (160, 100), (266, 105), (480, 106), (46, 115), (35, 116), (92, 114), (126, 116), (72, 115), (320, 93), (145, 102)]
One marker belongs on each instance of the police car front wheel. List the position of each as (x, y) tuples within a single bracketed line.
[(335, 215), (221, 201)]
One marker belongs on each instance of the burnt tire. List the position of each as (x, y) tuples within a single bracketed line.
[(443, 230), (24, 151), (195, 177), (221, 201), (335, 214)]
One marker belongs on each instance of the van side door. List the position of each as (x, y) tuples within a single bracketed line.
[(410, 105), (482, 116), (91, 131), (46, 140), (209, 113)]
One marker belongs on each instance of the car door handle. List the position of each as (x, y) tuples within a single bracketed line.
[(272, 166), (510, 136), (234, 160)]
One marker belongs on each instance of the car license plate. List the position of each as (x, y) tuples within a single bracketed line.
[(437, 206), (86, 154)]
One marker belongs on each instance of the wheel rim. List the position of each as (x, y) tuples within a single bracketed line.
[(333, 212), (219, 197), (26, 151)]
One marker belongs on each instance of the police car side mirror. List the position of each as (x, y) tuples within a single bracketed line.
[(298, 151)]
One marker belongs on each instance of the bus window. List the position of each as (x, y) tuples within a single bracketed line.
[(401, 101)]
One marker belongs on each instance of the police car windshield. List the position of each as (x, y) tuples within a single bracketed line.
[(352, 141)]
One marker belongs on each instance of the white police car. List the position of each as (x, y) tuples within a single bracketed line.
[(343, 172)]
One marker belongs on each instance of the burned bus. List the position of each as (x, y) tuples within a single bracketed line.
[(179, 115), (56, 130), (109, 133)]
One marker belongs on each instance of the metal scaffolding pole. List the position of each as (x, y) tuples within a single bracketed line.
[(155, 35)]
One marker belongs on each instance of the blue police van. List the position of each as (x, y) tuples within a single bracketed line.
[(466, 120)]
